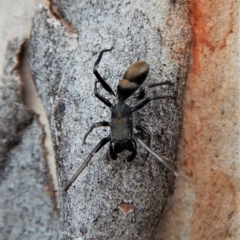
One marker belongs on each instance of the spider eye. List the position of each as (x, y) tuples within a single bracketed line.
[(132, 79)]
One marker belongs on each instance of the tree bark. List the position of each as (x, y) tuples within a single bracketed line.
[(115, 199), (27, 211), (110, 199)]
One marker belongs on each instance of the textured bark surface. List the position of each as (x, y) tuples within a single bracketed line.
[(110, 199), (207, 205), (27, 211), (204, 205)]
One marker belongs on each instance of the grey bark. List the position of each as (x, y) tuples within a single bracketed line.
[(110, 199), (26, 209)]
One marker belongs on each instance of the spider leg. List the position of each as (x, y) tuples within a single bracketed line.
[(157, 157), (151, 85), (87, 160), (95, 125), (149, 134), (100, 97), (147, 100), (143, 90), (100, 79), (133, 149)]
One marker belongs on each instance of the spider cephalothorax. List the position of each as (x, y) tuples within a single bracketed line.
[(123, 134)]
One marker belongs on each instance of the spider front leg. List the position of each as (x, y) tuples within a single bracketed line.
[(95, 125), (149, 134), (87, 160), (100, 79), (157, 156)]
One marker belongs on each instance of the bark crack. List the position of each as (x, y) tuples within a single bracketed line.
[(30, 99)]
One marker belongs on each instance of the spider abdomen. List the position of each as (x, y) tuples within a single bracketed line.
[(132, 79)]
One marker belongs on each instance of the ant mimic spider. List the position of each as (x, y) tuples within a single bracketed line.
[(124, 133)]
